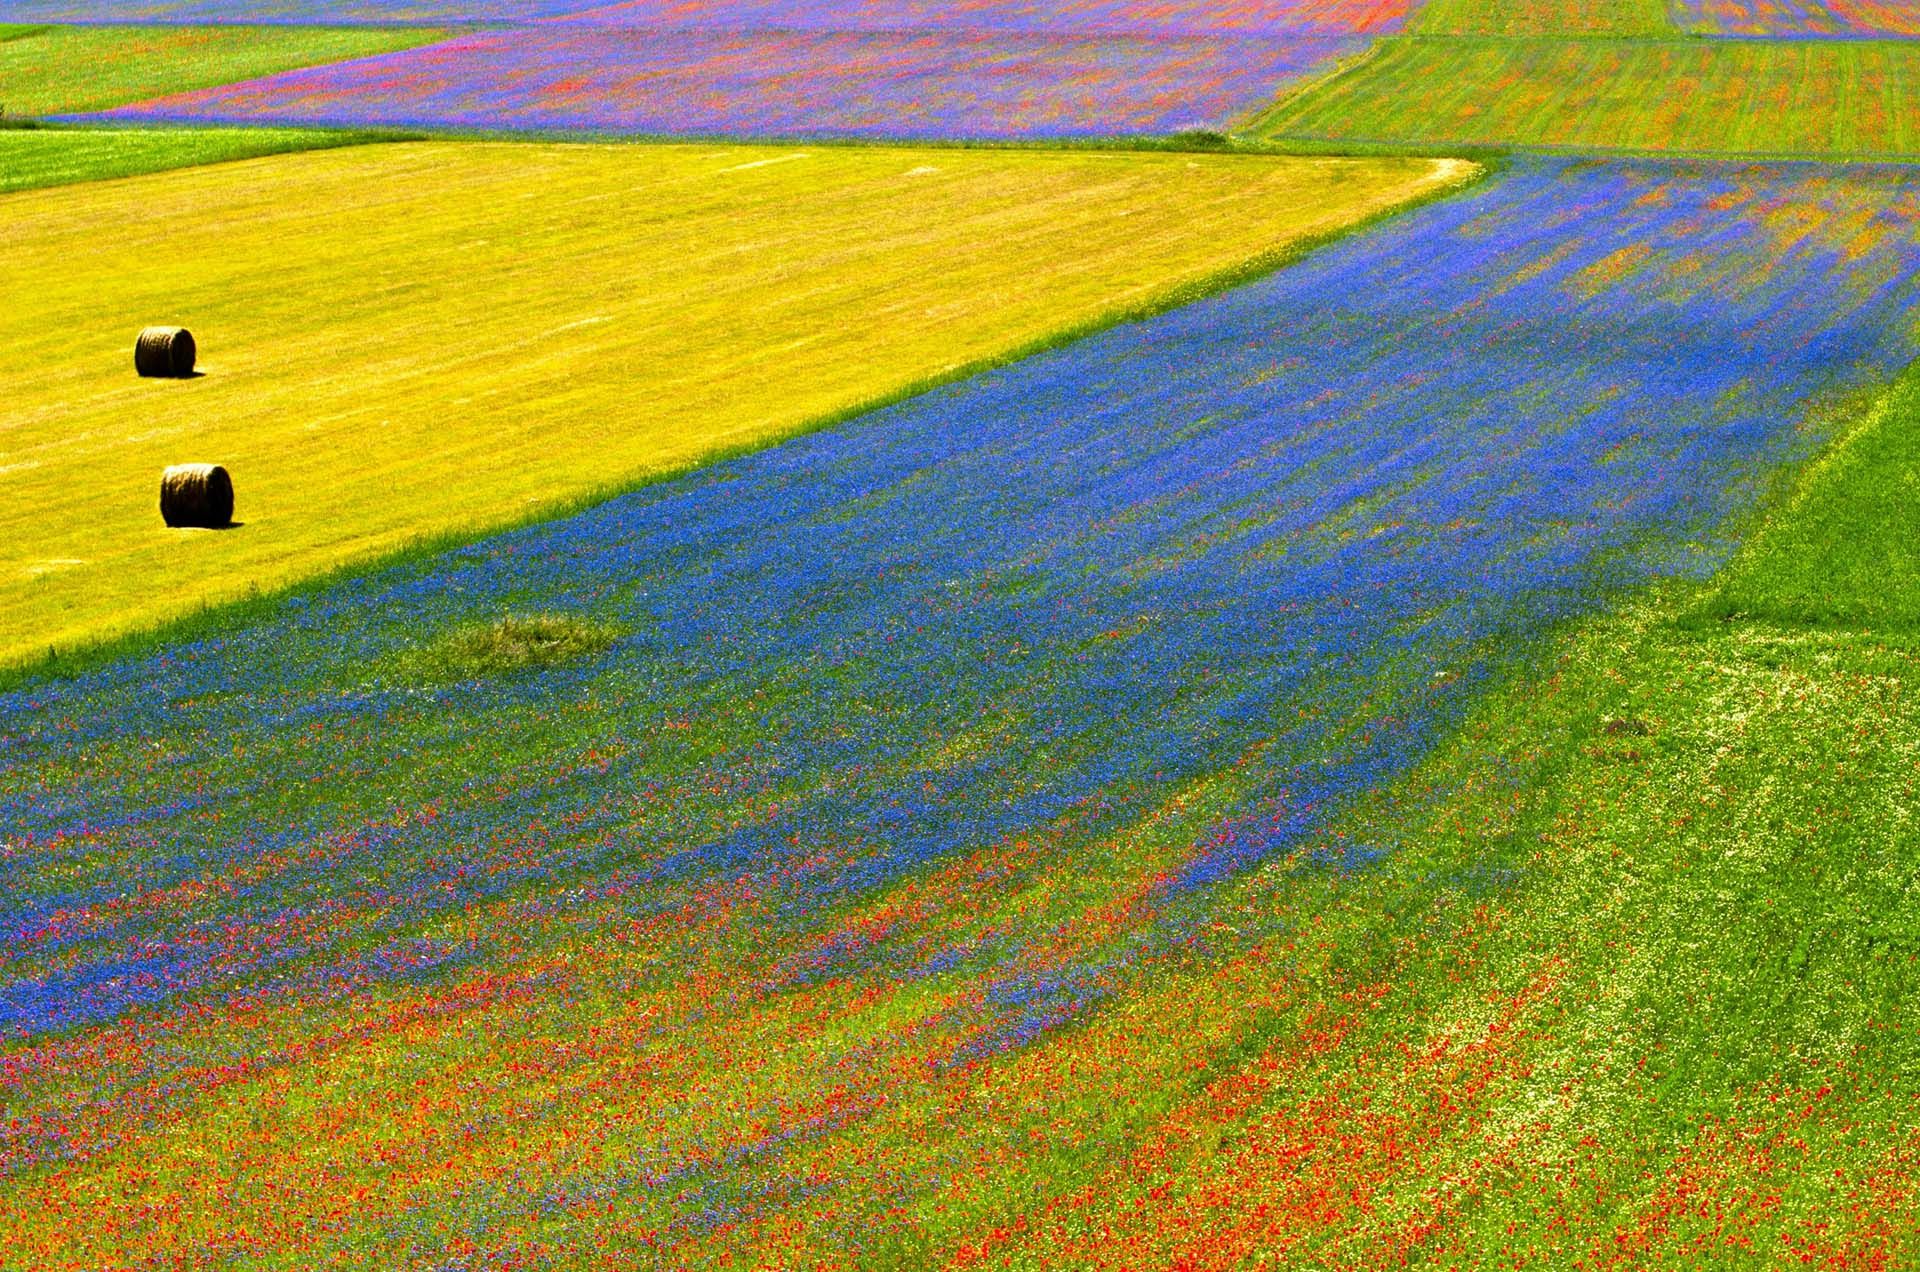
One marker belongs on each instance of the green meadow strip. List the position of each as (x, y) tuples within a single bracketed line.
[(1543, 17), (34, 158), (57, 70), (1846, 555)]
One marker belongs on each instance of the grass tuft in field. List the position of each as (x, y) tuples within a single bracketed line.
[(512, 644)]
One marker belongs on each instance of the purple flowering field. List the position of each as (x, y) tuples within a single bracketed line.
[(987, 69), (972, 84), (1139, 17), (1127, 17), (284, 12)]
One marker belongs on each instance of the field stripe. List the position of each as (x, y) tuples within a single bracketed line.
[(1695, 97), (632, 80), (1543, 17), (37, 158), (1113, 17), (54, 70), (1854, 19)]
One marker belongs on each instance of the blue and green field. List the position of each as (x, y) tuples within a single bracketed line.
[(902, 635)]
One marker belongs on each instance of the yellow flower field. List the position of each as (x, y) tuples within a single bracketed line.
[(404, 340)]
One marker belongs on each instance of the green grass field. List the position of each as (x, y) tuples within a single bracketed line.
[(1702, 97), (1846, 556), (54, 70), (410, 339), (34, 158), (1543, 17)]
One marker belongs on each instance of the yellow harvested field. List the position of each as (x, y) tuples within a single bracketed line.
[(408, 339)]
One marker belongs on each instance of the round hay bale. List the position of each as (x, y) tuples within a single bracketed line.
[(165, 352), (196, 495)]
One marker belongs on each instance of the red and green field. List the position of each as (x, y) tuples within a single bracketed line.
[(1108, 702), (1790, 18), (1829, 99)]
